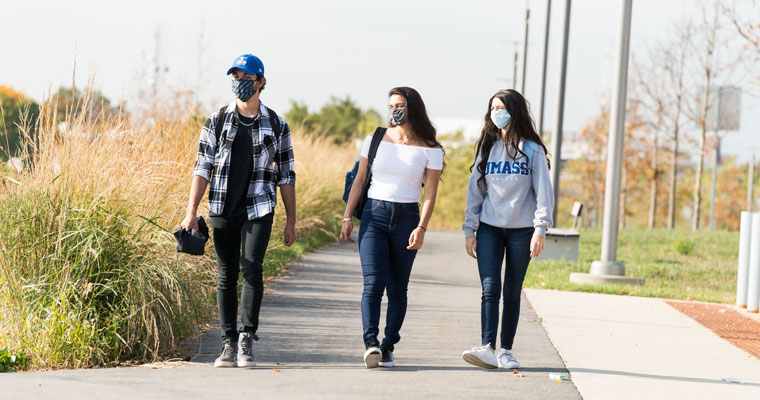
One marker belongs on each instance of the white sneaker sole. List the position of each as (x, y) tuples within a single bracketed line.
[(513, 365), (372, 358), (224, 364), (476, 361), (246, 364), (389, 364)]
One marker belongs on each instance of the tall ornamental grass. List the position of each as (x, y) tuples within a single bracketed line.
[(88, 270)]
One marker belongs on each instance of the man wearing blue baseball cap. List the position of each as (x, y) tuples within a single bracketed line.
[(244, 153)]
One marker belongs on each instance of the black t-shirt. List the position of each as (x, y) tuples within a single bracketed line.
[(241, 168)]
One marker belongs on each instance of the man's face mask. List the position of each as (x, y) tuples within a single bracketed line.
[(243, 88), (397, 116)]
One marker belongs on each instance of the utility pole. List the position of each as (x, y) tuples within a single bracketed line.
[(716, 153), (750, 185), (157, 62), (514, 70), (557, 139), (542, 92), (608, 270), (525, 50)]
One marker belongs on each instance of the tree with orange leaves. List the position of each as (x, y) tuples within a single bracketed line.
[(18, 114)]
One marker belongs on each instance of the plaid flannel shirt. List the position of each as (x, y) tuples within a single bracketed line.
[(273, 162)]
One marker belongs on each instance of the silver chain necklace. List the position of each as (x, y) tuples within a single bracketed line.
[(247, 125)]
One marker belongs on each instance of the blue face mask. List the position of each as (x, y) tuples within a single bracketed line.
[(243, 88), (500, 118)]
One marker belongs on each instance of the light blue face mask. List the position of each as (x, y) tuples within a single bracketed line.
[(500, 118)]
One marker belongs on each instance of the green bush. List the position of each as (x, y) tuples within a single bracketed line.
[(85, 282), (11, 362), (683, 246)]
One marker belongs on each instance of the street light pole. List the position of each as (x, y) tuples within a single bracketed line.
[(608, 269), (557, 138), (525, 52), (542, 92), (514, 69), (751, 176), (716, 150)]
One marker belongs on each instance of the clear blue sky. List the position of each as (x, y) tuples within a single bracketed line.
[(455, 53)]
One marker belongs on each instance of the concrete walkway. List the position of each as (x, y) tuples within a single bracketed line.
[(311, 344), (622, 347)]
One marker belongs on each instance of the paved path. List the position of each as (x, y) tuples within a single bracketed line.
[(311, 332), (623, 347)]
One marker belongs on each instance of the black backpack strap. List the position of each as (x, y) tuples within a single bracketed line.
[(274, 121), (377, 137), (219, 124)]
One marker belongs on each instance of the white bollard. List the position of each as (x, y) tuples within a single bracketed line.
[(745, 233), (753, 290)]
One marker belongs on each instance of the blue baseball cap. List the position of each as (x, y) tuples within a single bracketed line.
[(249, 64)]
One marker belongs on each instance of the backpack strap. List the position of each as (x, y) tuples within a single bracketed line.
[(529, 148), (377, 137), (219, 124), (274, 121)]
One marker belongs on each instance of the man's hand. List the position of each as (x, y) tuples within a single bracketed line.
[(190, 222), (289, 234)]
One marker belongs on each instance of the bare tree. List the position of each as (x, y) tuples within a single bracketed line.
[(660, 89), (748, 30), (706, 68), (649, 91)]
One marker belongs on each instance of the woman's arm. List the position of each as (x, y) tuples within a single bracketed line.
[(544, 202), (432, 177), (353, 199), (475, 197)]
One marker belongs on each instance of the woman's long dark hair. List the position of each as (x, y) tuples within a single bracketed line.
[(418, 117), (520, 127)]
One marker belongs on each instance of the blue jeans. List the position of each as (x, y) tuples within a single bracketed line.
[(492, 243), (386, 264)]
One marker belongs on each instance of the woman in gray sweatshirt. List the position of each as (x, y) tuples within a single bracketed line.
[(510, 205)]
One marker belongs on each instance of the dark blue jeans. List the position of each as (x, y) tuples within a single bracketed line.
[(386, 265), (492, 243)]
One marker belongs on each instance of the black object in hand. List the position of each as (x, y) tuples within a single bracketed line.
[(192, 241)]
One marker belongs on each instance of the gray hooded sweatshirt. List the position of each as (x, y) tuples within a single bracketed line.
[(513, 196)]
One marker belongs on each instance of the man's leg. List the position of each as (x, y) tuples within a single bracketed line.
[(255, 238), (226, 233)]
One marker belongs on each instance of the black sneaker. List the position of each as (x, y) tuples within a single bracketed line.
[(229, 355), (387, 359), (372, 356), (245, 350)]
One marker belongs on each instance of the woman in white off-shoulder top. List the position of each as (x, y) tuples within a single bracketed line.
[(392, 228)]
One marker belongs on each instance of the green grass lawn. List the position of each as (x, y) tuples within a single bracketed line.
[(676, 264)]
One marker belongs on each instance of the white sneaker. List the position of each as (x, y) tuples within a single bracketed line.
[(507, 359), (482, 356), (372, 357)]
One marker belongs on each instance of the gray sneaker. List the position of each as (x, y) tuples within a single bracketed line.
[(245, 350), (228, 356)]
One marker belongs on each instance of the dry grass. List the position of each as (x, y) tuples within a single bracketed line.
[(88, 270)]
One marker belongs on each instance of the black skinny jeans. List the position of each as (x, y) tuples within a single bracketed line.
[(230, 235)]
